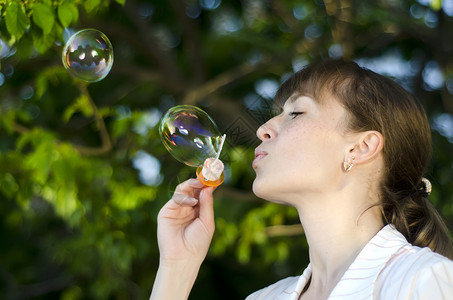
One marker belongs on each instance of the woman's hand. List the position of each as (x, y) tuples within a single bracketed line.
[(186, 223), (184, 233)]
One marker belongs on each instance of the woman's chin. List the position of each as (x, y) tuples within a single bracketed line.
[(261, 190), (256, 188), (269, 192)]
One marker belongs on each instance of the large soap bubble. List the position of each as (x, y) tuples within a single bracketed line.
[(189, 134), (88, 55), (192, 137)]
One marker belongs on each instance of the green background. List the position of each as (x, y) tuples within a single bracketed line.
[(83, 172)]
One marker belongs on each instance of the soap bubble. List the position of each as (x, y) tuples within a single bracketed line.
[(189, 134), (88, 55)]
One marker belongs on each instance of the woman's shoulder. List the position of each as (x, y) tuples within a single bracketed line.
[(415, 259), (405, 257), (415, 273)]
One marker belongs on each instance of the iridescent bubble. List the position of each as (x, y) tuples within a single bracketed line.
[(88, 55), (189, 134)]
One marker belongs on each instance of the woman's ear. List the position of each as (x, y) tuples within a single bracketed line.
[(368, 145)]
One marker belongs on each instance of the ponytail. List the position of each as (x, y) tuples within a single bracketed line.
[(417, 219)]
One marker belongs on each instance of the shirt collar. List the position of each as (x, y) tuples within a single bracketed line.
[(358, 281)]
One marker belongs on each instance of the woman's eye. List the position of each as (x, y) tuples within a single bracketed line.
[(294, 114)]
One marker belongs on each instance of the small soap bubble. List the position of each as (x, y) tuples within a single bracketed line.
[(88, 55), (26, 92), (189, 134)]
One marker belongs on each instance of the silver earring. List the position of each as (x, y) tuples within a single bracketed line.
[(347, 165)]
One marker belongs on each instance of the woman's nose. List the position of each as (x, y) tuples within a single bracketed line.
[(266, 131)]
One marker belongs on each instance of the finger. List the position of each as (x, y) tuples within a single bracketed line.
[(184, 200), (189, 187)]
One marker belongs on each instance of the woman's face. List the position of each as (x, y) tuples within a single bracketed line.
[(302, 150)]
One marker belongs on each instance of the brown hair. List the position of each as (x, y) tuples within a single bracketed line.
[(375, 102)]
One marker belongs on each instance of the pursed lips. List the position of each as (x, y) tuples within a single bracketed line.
[(259, 155)]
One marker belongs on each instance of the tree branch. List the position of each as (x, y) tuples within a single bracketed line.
[(213, 85), (341, 12), (242, 196), (190, 40), (162, 58), (284, 230), (104, 134)]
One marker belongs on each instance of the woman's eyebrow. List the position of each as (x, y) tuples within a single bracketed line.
[(293, 98), (290, 100)]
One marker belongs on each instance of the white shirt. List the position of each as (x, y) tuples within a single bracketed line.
[(388, 267)]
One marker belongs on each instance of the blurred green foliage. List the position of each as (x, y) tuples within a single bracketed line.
[(83, 173)]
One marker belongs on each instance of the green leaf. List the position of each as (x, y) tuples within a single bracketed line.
[(43, 16), (122, 2), (7, 121), (91, 5), (121, 127), (63, 198), (67, 13), (16, 20), (436, 4), (42, 41), (130, 197), (24, 47), (50, 76), (8, 185), (39, 162), (81, 104), (71, 293)]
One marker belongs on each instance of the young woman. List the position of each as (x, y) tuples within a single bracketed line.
[(348, 151)]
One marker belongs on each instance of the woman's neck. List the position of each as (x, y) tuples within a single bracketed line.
[(336, 235)]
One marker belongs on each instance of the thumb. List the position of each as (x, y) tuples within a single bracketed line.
[(206, 202)]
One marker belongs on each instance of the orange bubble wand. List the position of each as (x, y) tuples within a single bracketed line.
[(211, 172)]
